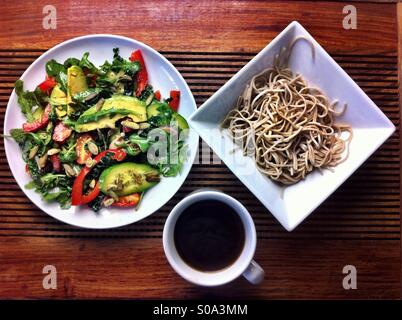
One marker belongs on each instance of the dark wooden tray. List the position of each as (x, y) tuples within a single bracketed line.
[(359, 224)]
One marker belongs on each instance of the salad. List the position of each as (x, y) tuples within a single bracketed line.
[(99, 136)]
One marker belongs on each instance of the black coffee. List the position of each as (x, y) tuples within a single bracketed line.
[(209, 235)]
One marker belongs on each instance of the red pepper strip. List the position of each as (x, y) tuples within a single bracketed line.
[(77, 197), (142, 75), (39, 123), (175, 100), (91, 195), (157, 95), (78, 185), (119, 154), (127, 201), (61, 132), (27, 169), (47, 85), (56, 163)]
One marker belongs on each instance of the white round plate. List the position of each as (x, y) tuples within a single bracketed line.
[(162, 75)]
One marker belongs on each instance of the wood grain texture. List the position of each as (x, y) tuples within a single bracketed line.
[(294, 269), (399, 21), (359, 224), (214, 25)]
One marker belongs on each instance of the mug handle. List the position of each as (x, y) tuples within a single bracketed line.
[(254, 273)]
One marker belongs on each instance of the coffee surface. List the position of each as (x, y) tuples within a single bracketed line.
[(209, 235)]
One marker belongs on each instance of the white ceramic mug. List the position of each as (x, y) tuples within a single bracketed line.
[(244, 265)]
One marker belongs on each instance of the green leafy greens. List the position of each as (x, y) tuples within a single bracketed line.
[(29, 99), (53, 187), (57, 71)]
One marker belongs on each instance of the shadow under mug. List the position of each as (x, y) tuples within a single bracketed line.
[(244, 264)]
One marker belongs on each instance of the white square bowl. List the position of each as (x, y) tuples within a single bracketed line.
[(291, 205)]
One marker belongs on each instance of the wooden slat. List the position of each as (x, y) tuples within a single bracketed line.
[(345, 210)]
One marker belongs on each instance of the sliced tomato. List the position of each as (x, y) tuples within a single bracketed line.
[(157, 95), (127, 201), (40, 123), (82, 153), (56, 163), (47, 85), (142, 74), (175, 99), (61, 132)]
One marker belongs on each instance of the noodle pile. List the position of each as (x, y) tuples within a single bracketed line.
[(287, 126)]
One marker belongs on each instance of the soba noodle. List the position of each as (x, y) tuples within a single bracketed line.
[(287, 126)]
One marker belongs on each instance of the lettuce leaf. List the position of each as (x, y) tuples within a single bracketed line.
[(29, 99), (59, 72)]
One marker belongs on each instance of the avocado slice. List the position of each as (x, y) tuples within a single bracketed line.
[(38, 113), (61, 111), (127, 178), (105, 122), (152, 109), (58, 96), (117, 102), (181, 122), (130, 103), (76, 82)]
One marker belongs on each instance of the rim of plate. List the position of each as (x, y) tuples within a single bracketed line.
[(43, 57)]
